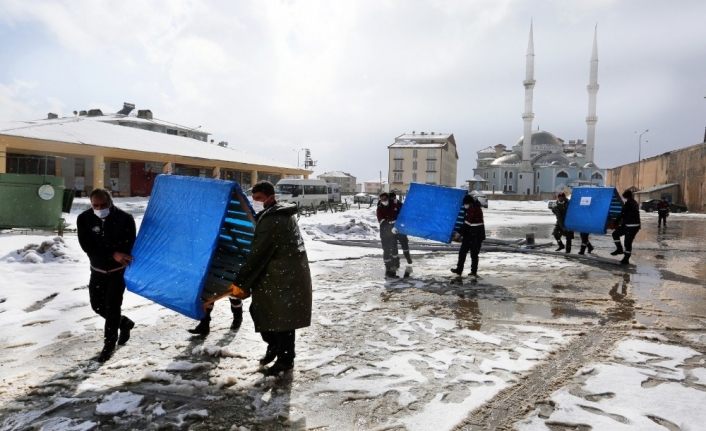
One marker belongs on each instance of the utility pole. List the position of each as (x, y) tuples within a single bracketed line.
[(639, 156)]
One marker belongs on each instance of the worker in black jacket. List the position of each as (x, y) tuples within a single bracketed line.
[(560, 210), (628, 225), (400, 237), (473, 235), (387, 215), (107, 234), (662, 212)]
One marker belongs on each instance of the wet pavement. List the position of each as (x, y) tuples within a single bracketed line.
[(385, 355)]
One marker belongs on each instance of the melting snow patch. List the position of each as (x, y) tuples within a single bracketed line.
[(50, 250), (66, 424), (119, 402)]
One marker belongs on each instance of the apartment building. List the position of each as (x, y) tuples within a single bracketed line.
[(421, 157)]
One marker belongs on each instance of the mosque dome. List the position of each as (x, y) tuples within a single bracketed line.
[(551, 159), (541, 138), (574, 164), (508, 159), (589, 165)]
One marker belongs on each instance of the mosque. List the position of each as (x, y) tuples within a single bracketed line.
[(541, 163)]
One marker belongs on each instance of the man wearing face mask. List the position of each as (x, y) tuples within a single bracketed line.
[(473, 233), (277, 275), (107, 233), (387, 215)]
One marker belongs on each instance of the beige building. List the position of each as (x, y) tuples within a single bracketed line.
[(124, 152), (343, 179), (685, 167), (428, 158)]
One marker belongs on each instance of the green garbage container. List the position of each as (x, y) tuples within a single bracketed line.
[(30, 201)]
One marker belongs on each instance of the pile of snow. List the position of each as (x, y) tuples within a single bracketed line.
[(50, 250), (118, 402), (351, 224)]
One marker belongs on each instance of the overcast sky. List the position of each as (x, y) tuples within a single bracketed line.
[(343, 78)]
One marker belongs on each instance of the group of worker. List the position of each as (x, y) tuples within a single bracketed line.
[(275, 275), (628, 224), (472, 234)]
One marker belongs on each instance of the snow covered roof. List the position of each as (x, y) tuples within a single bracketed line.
[(423, 140), (97, 131), (338, 174), (487, 150)]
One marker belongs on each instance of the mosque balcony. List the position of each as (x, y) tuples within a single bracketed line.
[(529, 116), (529, 82)]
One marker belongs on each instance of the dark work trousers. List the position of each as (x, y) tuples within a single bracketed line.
[(404, 244), (281, 343), (389, 247), (558, 232), (472, 243), (662, 218), (629, 232), (106, 293)]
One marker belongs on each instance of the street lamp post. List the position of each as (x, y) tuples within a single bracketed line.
[(639, 155)]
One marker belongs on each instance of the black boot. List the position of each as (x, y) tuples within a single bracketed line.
[(270, 356), (626, 259), (582, 250), (280, 367), (560, 244), (457, 271), (203, 328), (568, 246), (391, 274), (590, 248), (618, 249), (107, 352), (126, 326), (237, 317)]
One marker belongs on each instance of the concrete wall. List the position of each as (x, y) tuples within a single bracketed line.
[(686, 167)]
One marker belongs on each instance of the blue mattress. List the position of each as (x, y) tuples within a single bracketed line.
[(430, 212)]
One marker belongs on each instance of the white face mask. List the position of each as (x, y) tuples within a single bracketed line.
[(385, 203), (102, 213), (466, 206), (258, 206)]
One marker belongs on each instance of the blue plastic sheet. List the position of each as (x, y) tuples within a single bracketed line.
[(430, 212), (590, 209), (177, 239)]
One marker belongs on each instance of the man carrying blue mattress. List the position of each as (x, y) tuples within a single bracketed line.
[(276, 274), (107, 233)]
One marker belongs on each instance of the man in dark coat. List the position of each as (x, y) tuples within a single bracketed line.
[(559, 210), (473, 235), (662, 212), (276, 273), (400, 237), (387, 216), (628, 225), (107, 233)]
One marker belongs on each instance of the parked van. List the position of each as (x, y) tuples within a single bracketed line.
[(302, 192)]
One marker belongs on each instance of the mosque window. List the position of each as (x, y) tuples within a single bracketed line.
[(562, 174), (597, 176), (580, 175), (537, 175), (414, 154), (510, 175)]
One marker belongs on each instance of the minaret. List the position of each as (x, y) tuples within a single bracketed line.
[(525, 181), (592, 87), (528, 115)]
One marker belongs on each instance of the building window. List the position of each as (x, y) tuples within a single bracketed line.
[(520, 176), (398, 165), (414, 164), (114, 170), (597, 176), (537, 175), (79, 167), (397, 177), (509, 187), (580, 175), (398, 153), (431, 165), (414, 177), (562, 174), (414, 154), (431, 152), (431, 177), (510, 175), (505, 174)]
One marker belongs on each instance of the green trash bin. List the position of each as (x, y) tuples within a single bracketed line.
[(30, 201)]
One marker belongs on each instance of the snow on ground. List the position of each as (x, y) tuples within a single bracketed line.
[(645, 386), (417, 353)]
